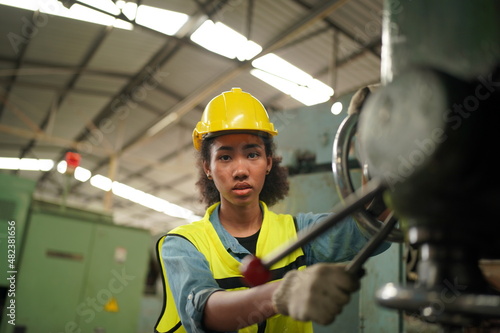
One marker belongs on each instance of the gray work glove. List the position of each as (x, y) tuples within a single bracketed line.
[(317, 293)]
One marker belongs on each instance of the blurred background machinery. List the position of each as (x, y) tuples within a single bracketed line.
[(72, 270)]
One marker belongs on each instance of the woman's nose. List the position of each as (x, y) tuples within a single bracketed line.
[(240, 170)]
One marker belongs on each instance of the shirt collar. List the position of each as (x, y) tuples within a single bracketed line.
[(230, 243)]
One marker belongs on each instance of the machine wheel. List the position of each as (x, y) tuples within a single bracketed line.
[(342, 176)]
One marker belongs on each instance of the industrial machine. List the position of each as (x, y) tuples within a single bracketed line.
[(75, 270), (425, 139), (312, 188), (428, 134)]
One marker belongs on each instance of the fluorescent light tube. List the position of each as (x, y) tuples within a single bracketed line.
[(82, 174), (101, 182), (162, 20), (27, 164), (221, 39)]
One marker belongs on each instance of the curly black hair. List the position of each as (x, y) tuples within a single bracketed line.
[(276, 185)]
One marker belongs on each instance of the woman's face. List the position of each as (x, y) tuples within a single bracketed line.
[(238, 165)]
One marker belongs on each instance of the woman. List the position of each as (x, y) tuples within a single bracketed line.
[(240, 176)]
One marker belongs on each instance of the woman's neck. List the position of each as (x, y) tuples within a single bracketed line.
[(241, 221)]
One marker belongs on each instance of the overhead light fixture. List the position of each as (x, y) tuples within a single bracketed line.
[(307, 95), (291, 80), (29, 5), (101, 182), (107, 6), (285, 86), (278, 66), (79, 172), (162, 20), (61, 167), (142, 198), (150, 201), (73, 10), (337, 108), (129, 9), (221, 39), (82, 174), (26, 164), (124, 191), (84, 13), (163, 206)]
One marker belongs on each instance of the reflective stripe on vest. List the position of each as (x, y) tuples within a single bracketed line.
[(276, 230)]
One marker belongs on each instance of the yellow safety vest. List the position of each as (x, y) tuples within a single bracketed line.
[(276, 230)]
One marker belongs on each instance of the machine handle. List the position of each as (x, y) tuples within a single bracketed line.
[(256, 271), (355, 267)]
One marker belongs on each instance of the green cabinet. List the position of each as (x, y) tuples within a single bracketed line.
[(116, 281), (15, 200), (79, 272), (52, 272)]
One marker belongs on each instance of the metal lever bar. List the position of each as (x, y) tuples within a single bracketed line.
[(352, 203), (256, 271), (355, 267)]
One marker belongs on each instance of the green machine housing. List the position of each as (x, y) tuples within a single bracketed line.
[(75, 271)]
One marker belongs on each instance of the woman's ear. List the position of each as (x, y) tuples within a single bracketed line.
[(206, 167), (269, 163)]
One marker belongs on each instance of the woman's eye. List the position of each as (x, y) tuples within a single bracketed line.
[(224, 158), (253, 155)]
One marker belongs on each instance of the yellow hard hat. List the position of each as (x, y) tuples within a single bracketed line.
[(233, 110)]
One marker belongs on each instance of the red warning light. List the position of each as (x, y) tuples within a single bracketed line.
[(72, 161)]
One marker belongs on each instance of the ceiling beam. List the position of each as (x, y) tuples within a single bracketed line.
[(171, 46), (331, 24), (174, 115), (54, 107), (35, 68), (192, 101), (19, 62)]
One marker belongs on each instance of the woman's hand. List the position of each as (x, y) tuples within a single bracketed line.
[(317, 293)]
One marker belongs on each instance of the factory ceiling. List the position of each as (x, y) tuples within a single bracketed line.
[(128, 100)]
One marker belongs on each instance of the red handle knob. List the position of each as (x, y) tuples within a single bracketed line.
[(254, 271)]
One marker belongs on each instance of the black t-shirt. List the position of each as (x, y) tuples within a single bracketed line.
[(250, 242)]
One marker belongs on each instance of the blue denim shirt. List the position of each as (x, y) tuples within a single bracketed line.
[(191, 280)]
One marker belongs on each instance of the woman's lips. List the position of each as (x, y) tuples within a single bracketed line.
[(242, 189)]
